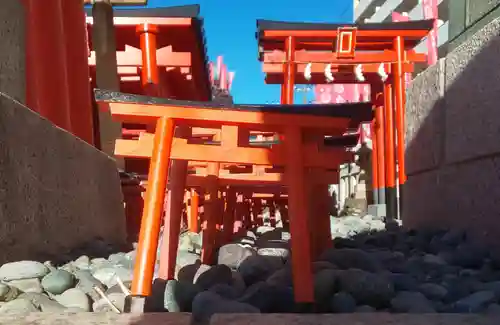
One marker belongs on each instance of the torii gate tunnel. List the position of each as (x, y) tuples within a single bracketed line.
[(378, 54)]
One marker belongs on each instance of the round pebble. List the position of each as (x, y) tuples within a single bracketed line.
[(58, 281), (370, 269)]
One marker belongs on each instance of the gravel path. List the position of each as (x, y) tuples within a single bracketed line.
[(370, 270)]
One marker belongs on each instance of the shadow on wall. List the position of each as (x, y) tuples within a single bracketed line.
[(57, 193), (453, 140)]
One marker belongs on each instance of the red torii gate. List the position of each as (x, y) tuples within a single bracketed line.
[(377, 53)]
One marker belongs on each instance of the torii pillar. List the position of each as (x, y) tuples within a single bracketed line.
[(57, 73)]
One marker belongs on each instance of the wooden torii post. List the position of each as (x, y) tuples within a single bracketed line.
[(378, 54)]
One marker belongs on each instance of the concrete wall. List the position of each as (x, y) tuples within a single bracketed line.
[(12, 49), (56, 191), (469, 16), (453, 133)]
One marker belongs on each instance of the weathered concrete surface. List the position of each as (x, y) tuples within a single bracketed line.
[(470, 194), (461, 196), (95, 319), (472, 87), (477, 9), (453, 152), (12, 49), (245, 319), (425, 110), (353, 319), (56, 191), (419, 188)]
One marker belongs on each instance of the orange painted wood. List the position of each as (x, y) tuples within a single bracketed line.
[(229, 215), (131, 58), (319, 212), (282, 34), (249, 179), (149, 72), (299, 224), (77, 71), (375, 160), (153, 208), (173, 212), (390, 156), (379, 139), (48, 87), (399, 101), (328, 57), (194, 211), (213, 117), (346, 42), (293, 154), (330, 158), (162, 22), (320, 68), (289, 70), (211, 209), (173, 218)]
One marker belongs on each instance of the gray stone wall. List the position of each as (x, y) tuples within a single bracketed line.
[(12, 49), (56, 191), (453, 133)]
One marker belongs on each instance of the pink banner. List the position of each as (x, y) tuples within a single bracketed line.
[(211, 71), (397, 17), (230, 78), (219, 75), (218, 68), (346, 93), (223, 77), (430, 8)]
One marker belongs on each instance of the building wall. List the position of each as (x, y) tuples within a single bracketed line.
[(469, 16), (56, 191), (381, 11), (453, 152)]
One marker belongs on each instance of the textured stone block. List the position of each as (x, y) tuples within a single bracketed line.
[(423, 204), (470, 191), (477, 9), (358, 319), (56, 191), (459, 196), (377, 210), (12, 49), (425, 120), (472, 88), (47, 318)]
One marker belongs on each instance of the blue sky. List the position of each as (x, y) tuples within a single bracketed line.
[(230, 30)]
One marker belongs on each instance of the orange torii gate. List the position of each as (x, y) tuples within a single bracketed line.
[(377, 53), (254, 178), (300, 151)]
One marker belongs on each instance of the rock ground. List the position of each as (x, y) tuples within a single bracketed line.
[(371, 269)]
